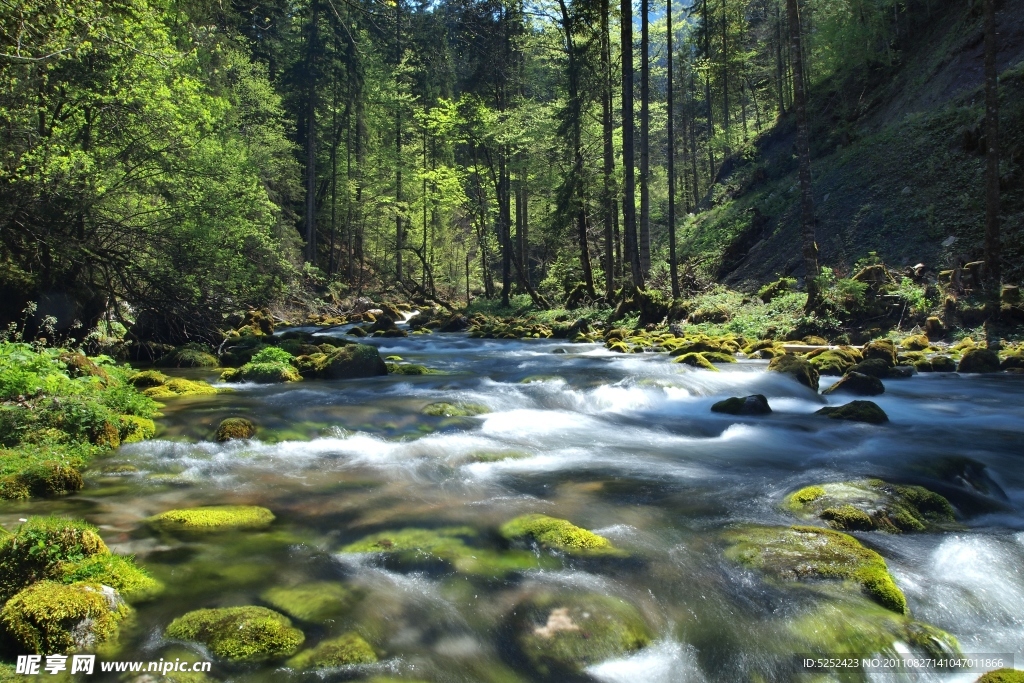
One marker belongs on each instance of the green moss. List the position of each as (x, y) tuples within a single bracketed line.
[(117, 571), (235, 428), (450, 546), (882, 349), (801, 552), (315, 602), (844, 626), (410, 369), (213, 518), (808, 494), (354, 361), (1003, 676), (38, 547), (835, 362), (774, 289), (244, 634), (51, 478), (915, 342), (457, 409), (270, 365), (856, 411), (178, 387), (875, 505), (799, 368), (189, 356), (147, 379), (696, 360), (50, 617), (562, 634), (346, 649), (556, 534), (135, 428)]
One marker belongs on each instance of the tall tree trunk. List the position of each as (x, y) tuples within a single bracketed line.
[(645, 139), (725, 78), (424, 243), (779, 78), (993, 248), (311, 135), (504, 224), (609, 153), (673, 264), (803, 150), (398, 148), (707, 91), (628, 172), (693, 144)]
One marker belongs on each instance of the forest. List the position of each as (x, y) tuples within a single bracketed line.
[(509, 342)]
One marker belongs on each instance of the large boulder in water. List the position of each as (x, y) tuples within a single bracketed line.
[(50, 617), (241, 634), (979, 360), (799, 368), (856, 411), (872, 505), (802, 553), (756, 404), (560, 634), (883, 349), (355, 361), (873, 367), (857, 384)]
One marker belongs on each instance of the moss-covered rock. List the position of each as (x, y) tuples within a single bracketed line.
[(316, 602), (242, 634), (756, 404), (117, 571), (834, 362), (346, 649), (873, 505), (800, 369), (213, 518), (857, 384), (235, 428), (556, 534), (856, 411), (147, 379), (1003, 676), (354, 361), (882, 349), (872, 367), (50, 617), (561, 634), (51, 478), (979, 360), (409, 369), (774, 289), (696, 360), (937, 363), (915, 342), (271, 365), (803, 553), (189, 356), (457, 547), (38, 548), (133, 428), (854, 627), (179, 387), (457, 409)]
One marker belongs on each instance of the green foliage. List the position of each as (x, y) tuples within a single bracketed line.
[(242, 634), (38, 548)]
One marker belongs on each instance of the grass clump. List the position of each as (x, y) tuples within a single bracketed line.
[(556, 534), (346, 649), (800, 553), (213, 518), (242, 634)]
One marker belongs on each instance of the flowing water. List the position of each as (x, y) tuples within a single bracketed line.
[(624, 445)]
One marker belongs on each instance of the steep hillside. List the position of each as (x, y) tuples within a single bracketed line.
[(898, 165)]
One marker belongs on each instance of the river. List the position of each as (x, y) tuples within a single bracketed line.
[(624, 445)]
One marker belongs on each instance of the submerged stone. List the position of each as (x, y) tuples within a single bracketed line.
[(346, 649), (556, 534), (561, 634), (315, 602), (856, 411), (235, 428), (457, 409), (802, 553), (50, 617), (857, 384), (450, 546), (213, 518), (800, 369), (873, 505), (756, 404), (244, 634)]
